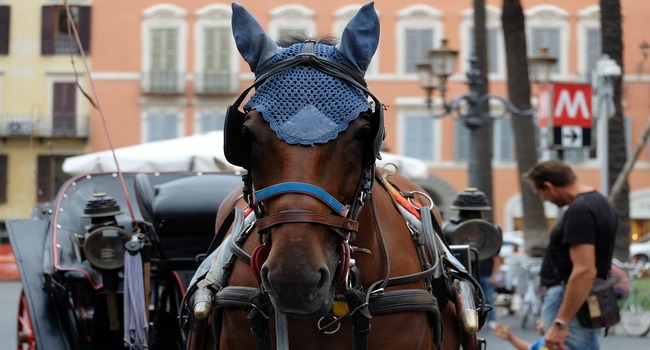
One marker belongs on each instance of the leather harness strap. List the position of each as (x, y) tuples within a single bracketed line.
[(308, 217)]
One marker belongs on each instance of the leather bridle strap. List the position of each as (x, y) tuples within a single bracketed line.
[(301, 188), (293, 216)]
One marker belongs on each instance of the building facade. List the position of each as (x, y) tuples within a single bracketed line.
[(43, 114), (165, 69)]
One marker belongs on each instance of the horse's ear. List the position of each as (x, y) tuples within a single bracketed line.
[(255, 46), (360, 37)]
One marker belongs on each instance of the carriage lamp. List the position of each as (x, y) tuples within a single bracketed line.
[(469, 227), (104, 244)]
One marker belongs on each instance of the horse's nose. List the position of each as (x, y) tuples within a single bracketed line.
[(294, 288)]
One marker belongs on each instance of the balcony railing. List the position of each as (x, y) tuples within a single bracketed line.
[(22, 126), (215, 83), (163, 82)]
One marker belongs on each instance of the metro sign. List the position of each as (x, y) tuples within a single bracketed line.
[(565, 110)]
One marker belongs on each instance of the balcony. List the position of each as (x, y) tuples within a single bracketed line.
[(163, 82), (20, 126), (215, 83)]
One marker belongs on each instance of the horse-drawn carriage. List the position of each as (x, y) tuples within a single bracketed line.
[(316, 248)]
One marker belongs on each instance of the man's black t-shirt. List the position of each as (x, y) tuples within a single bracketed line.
[(590, 219)]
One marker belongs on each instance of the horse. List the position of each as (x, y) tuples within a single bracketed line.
[(319, 248)]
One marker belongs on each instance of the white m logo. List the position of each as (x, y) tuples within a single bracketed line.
[(579, 103)]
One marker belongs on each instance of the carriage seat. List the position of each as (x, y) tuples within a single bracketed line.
[(183, 211)]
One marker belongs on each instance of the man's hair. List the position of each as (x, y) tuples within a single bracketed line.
[(556, 172)]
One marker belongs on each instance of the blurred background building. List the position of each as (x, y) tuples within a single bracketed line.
[(166, 69)]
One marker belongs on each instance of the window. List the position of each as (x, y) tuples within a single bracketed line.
[(589, 41), (211, 121), (419, 136), (289, 20), (503, 142), (50, 177), (419, 30), (494, 38), (548, 25), (3, 178), (5, 19), (549, 38), (164, 42), (162, 126), (54, 29), (461, 141), (215, 58), (64, 109), (504, 148)]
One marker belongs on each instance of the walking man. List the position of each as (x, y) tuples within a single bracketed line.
[(580, 249)]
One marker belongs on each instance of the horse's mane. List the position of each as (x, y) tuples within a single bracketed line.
[(287, 40)]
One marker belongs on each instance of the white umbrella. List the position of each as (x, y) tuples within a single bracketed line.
[(201, 152)]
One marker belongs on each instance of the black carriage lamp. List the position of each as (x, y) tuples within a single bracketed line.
[(541, 67), (104, 244), (469, 227)]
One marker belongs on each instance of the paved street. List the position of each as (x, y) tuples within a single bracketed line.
[(9, 293)]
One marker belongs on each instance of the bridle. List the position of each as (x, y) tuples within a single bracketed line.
[(343, 220)]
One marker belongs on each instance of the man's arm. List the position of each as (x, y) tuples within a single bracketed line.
[(583, 257)]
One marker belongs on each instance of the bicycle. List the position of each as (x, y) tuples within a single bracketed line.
[(531, 303), (635, 312)]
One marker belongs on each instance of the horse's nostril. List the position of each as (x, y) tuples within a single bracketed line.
[(324, 278)]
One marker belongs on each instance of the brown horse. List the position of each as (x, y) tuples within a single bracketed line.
[(328, 256)]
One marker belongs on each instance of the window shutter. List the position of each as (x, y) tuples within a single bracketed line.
[(84, 27), (162, 126), (44, 180), (47, 30), (549, 37), (418, 44), (503, 140), (418, 138), (212, 121), (593, 51), (5, 18), (3, 178), (461, 140), (493, 50)]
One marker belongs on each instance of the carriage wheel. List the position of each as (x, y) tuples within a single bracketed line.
[(25, 332)]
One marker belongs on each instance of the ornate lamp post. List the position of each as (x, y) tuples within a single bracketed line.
[(468, 107)]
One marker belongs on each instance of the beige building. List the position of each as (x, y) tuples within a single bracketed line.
[(43, 115), (165, 69)]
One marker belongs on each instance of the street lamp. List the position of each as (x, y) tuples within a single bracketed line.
[(540, 67), (468, 107), (607, 71)]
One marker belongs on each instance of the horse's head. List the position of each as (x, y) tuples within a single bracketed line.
[(308, 138)]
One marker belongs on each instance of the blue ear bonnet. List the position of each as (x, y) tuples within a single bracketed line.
[(304, 105)]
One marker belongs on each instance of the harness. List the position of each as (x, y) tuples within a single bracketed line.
[(355, 302)]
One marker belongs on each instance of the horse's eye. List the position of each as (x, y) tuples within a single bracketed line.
[(364, 133), (246, 133)]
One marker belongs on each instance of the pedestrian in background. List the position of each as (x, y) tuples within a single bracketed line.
[(490, 270), (580, 249)]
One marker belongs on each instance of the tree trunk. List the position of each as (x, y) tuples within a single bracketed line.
[(612, 43), (481, 170), (534, 222)]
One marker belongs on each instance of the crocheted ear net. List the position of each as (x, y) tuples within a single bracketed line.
[(305, 106)]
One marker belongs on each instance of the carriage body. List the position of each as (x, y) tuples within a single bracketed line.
[(70, 301)]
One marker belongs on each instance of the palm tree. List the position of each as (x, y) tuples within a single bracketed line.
[(534, 222), (612, 44)]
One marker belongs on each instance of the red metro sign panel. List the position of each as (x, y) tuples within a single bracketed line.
[(568, 104), (564, 115)]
